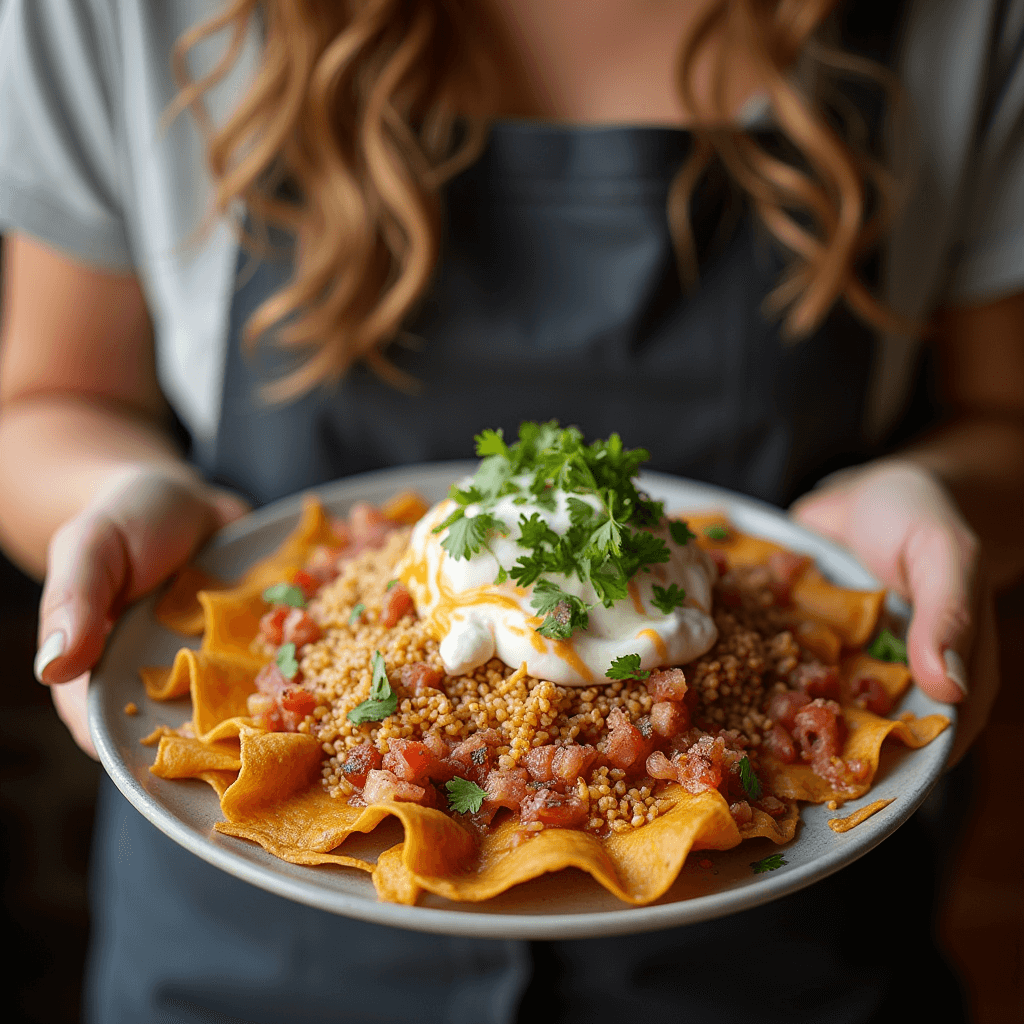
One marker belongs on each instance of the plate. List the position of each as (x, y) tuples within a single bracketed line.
[(568, 904)]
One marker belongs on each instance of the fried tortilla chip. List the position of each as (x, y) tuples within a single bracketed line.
[(853, 614), (179, 608)]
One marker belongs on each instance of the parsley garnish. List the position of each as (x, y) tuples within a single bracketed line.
[(749, 780), (391, 583), (609, 537), (357, 611), (464, 797), (716, 533), (667, 600), (285, 593), (887, 647), (680, 531), (627, 667), (769, 863), (383, 701), (286, 661)]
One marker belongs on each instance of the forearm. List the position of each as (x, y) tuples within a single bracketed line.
[(981, 460), (56, 453)]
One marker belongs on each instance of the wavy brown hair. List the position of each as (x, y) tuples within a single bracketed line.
[(367, 107)]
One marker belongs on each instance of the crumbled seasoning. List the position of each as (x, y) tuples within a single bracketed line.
[(731, 682), (131, 708)]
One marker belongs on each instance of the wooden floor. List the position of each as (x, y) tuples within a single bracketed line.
[(47, 786)]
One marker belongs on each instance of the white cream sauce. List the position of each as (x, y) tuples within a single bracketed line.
[(476, 620)]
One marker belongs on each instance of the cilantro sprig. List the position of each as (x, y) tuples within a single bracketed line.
[(356, 613), (888, 647), (627, 667), (464, 797), (287, 663), (285, 593), (770, 863), (749, 780), (609, 538), (383, 701), (667, 599)]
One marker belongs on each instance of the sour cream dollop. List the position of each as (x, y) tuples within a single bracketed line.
[(476, 619)]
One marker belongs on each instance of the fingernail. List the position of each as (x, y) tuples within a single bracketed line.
[(52, 648), (956, 673)]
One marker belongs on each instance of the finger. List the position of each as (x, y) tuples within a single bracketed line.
[(940, 569), (826, 512), (228, 507), (70, 702), (87, 571)]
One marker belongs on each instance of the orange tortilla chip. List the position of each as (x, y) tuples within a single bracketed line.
[(853, 614), (179, 608), (819, 638), (893, 675), (864, 742), (183, 757), (407, 508)]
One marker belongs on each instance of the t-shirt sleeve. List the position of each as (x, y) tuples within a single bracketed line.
[(988, 257), (60, 163)]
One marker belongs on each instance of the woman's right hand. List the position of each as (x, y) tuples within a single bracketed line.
[(138, 530)]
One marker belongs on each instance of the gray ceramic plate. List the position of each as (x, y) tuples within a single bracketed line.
[(564, 905)]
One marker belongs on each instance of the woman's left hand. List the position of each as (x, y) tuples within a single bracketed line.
[(902, 523)]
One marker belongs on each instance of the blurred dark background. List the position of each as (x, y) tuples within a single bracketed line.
[(47, 791)]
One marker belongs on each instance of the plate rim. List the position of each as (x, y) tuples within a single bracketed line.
[(221, 851)]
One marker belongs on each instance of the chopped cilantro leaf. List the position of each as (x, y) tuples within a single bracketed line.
[(383, 701), (357, 612), (468, 534), (680, 532), (887, 647), (285, 593), (391, 583), (286, 661), (563, 612), (749, 780), (627, 667), (716, 532), (464, 797), (491, 442), (666, 600), (769, 863)]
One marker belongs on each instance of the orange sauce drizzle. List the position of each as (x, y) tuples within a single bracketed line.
[(634, 592), (659, 644), (845, 824)]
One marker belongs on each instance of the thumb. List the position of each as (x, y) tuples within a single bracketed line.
[(825, 511), (227, 506), (88, 569), (940, 579)]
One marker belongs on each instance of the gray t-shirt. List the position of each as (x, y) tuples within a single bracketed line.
[(88, 165)]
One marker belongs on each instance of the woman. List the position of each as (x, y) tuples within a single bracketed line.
[(557, 293)]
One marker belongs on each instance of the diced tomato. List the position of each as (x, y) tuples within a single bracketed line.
[(782, 707), (667, 684), (816, 679), (505, 788), (297, 700), (359, 761), (573, 761), (368, 526), (397, 603), (538, 762), (784, 569), (473, 758), (562, 810), (626, 744), (420, 677), (741, 812), (272, 625), (869, 693), (306, 582), (271, 680), (820, 730), (703, 766), (669, 718), (660, 767), (382, 785), (779, 743), (299, 628), (413, 761), (720, 558), (771, 805)]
